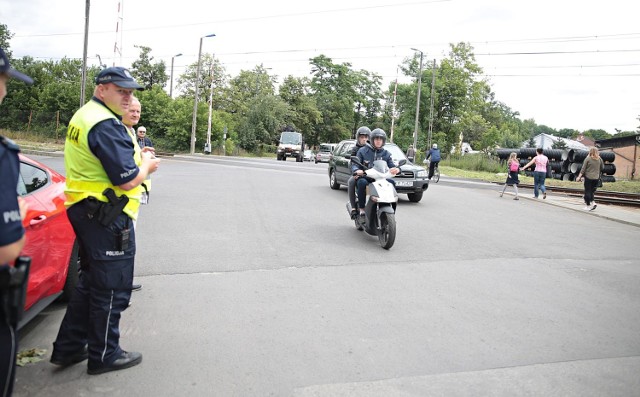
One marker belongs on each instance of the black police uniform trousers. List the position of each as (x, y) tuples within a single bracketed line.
[(103, 290), (8, 346)]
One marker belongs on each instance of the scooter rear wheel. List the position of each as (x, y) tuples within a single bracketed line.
[(387, 231)]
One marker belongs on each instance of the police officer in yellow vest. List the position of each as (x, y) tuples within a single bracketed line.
[(104, 170)]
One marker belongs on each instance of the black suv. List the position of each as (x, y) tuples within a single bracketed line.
[(412, 180)]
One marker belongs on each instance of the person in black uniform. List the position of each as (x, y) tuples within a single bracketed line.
[(104, 169), (12, 212)]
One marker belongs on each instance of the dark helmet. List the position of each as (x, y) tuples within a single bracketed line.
[(378, 133), (363, 131)]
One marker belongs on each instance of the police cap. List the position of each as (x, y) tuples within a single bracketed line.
[(118, 76), (5, 68)]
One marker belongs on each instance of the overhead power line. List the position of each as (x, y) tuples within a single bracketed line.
[(234, 20)]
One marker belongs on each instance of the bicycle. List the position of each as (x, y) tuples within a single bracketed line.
[(436, 170), (436, 173)]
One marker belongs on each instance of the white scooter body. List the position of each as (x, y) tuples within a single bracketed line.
[(381, 203)]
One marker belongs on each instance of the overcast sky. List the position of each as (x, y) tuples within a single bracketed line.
[(564, 63)]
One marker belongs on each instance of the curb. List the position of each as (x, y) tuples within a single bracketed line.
[(599, 215)]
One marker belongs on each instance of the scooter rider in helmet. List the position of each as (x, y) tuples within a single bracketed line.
[(367, 155), (362, 136)]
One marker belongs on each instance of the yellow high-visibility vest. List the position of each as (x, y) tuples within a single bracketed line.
[(85, 174)]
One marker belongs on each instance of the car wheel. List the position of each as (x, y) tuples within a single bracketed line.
[(333, 182), (72, 273), (415, 197)]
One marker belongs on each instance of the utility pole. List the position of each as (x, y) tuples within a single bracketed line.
[(84, 52), (415, 130), (433, 86), (393, 106)]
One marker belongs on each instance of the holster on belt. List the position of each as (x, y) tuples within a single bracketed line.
[(13, 289), (110, 211)]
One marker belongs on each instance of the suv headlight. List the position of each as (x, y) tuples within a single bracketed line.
[(423, 174)]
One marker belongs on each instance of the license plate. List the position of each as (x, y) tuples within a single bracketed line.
[(404, 183)]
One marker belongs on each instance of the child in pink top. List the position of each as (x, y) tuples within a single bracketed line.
[(512, 178)]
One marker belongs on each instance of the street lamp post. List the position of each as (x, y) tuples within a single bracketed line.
[(171, 85), (207, 146), (415, 130), (195, 101)]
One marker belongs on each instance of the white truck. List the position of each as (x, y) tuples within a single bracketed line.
[(291, 145)]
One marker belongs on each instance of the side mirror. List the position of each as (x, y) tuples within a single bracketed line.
[(402, 162)]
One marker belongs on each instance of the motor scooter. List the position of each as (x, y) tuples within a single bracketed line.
[(380, 208)]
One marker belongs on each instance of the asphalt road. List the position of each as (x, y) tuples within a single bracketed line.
[(256, 283)]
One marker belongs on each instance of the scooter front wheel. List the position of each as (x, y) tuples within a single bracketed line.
[(387, 231)]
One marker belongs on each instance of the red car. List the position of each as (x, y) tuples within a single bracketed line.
[(50, 240)]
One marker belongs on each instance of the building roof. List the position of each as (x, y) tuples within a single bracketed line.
[(628, 140), (545, 141)]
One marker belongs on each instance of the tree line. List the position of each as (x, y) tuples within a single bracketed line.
[(327, 106)]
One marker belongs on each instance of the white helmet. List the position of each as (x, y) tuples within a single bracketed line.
[(435, 146)]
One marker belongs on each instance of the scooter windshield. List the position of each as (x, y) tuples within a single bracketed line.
[(381, 166)]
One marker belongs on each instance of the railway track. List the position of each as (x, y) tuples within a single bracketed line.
[(601, 196)]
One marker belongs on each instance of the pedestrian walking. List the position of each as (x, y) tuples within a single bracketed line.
[(591, 171), (513, 165), (411, 153), (539, 173)]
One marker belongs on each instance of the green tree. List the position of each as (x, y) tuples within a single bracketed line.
[(5, 38), (559, 144), (333, 86), (597, 134), (210, 70), (246, 86), (568, 133), (265, 119), (149, 74), (156, 113), (543, 129), (368, 99), (304, 115)]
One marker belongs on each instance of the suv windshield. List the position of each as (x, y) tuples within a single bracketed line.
[(396, 153)]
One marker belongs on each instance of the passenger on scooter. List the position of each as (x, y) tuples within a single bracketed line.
[(362, 136), (367, 155)]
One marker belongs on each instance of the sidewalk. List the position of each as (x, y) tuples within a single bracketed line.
[(617, 213)]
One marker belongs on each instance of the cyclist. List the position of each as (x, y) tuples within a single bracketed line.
[(367, 155), (362, 136), (434, 154)]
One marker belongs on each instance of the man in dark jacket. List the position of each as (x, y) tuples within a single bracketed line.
[(362, 136), (143, 139), (434, 154), (367, 155)]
